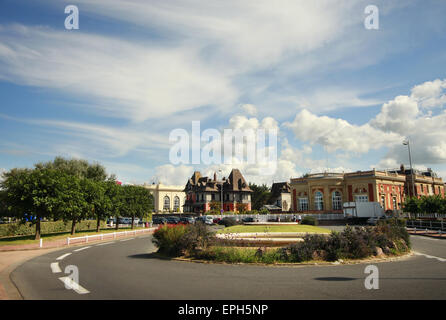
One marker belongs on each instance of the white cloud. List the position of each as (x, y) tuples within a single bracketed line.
[(338, 134), (430, 94), (249, 109), (122, 79), (172, 175)]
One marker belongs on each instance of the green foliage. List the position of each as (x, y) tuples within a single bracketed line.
[(168, 239), (260, 196), (263, 211), (27, 229), (242, 208), (75, 167), (431, 204), (309, 220)]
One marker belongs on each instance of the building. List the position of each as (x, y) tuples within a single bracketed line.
[(202, 191), (281, 195), (168, 199), (326, 192)]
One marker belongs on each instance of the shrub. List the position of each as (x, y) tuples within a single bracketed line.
[(26, 229), (197, 237), (310, 221), (168, 239)]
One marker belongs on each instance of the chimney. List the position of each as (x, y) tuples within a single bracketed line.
[(403, 170), (215, 176)]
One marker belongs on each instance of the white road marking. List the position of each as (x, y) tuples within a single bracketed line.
[(127, 239), (103, 244), (63, 256), (55, 267), (430, 257), (73, 285), (80, 249)]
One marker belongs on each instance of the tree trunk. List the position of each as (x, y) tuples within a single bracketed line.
[(73, 227), (117, 222), (37, 229), (98, 225), (133, 221)]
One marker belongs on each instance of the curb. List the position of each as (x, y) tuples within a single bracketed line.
[(303, 264)]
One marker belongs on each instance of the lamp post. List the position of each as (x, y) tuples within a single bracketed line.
[(221, 196), (407, 143)]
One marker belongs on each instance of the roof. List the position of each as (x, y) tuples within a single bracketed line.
[(279, 188), (235, 182)]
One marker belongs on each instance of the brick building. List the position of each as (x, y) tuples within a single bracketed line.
[(326, 192), (202, 191)]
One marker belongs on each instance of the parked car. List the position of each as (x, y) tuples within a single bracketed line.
[(374, 220), (248, 219), (159, 220), (216, 220), (173, 220), (206, 220), (187, 220)]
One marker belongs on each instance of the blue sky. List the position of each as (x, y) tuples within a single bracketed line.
[(342, 97)]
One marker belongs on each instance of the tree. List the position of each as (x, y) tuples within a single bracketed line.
[(72, 200), (76, 167), (260, 196), (31, 195), (412, 205), (431, 204), (137, 202), (96, 194)]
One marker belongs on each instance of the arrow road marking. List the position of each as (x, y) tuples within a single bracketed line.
[(73, 285), (55, 267), (63, 256)]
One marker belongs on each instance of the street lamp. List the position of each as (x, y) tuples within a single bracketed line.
[(221, 196), (407, 143)]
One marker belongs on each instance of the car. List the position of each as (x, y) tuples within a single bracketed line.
[(206, 220), (187, 220), (216, 220), (173, 220), (374, 220), (159, 220), (248, 219)]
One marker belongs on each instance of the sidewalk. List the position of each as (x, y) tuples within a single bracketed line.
[(13, 256), (73, 240), (428, 233)]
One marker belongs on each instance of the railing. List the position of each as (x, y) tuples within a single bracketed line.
[(439, 226), (283, 217), (103, 236)]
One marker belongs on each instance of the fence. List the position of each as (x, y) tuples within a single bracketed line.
[(102, 236), (426, 225), (283, 217)]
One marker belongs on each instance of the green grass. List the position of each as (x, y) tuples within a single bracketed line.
[(56, 236), (273, 228)]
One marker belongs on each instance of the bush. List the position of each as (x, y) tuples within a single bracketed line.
[(310, 221), (168, 239), (197, 237), (27, 229)]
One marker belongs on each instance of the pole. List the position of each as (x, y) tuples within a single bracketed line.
[(411, 170), (221, 196)]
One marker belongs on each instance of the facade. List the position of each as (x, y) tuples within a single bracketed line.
[(281, 195), (168, 199), (202, 191), (326, 192)]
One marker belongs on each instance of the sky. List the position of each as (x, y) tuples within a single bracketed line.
[(341, 97)]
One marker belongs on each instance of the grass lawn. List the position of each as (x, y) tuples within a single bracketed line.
[(273, 228), (56, 236)]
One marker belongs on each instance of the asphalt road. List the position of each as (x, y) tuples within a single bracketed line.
[(127, 270)]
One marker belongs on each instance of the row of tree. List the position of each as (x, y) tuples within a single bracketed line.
[(425, 204), (70, 190)]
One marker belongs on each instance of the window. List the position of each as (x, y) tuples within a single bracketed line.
[(213, 196), (395, 207), (383, 202), (318, 201), (166, 206), (336, 200), (303, 204), (176, 203), (361, 198)]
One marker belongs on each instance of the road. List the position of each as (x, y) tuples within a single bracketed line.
[(126, 269)]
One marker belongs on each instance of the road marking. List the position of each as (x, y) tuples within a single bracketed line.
[(63, 256), (430, 257), (127, 239), (73, 285), (103, 244), (55, 267), (82, 249)]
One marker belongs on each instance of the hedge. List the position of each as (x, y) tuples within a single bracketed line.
[(18, 229)]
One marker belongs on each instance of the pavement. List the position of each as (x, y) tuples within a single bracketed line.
[(127, 269)]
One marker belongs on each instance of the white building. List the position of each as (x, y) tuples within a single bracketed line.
[(168, 199)]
